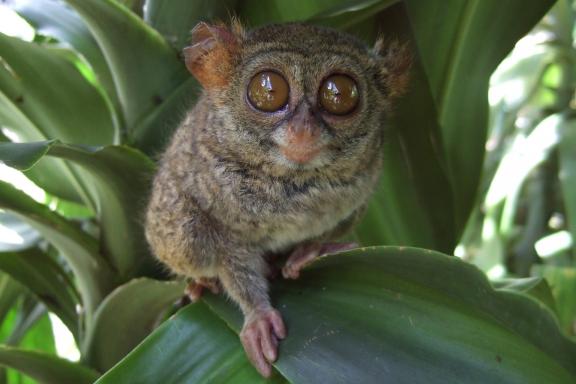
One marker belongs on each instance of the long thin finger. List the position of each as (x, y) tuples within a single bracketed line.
[(337, 247), (278, 325), (254, 352), (266, 342)]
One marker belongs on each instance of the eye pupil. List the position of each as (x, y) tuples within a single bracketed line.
[(268, 91), (339, 95)]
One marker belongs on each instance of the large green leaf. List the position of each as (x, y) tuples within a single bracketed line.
[(404, 314), (193, 347), (45, 368), (117, 178), (54, 95), (121, 318), (391, 306), (460, 44), (53, 18), (147, 77), (349, 14), (44, 96), (80, 250), (255, 12), (46, 279), (175, 19)]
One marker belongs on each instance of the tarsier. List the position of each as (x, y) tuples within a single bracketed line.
[(278, 157)]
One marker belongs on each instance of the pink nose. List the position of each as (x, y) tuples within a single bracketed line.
[(301, 142), (302, 138)]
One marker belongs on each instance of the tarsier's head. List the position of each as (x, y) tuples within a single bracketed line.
[(294, 96)]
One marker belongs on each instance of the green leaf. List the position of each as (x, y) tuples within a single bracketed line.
[(175, 19), (136, 6), (80, 250), (256, 12), (49, 98), (52, 18), (24, 156), (563, 283), (46, 279), (10, 291), (118, 178), (146, 77), (459, 53), (406, 314), (567, 165), (413, 204), (195, 346), (120, 318), (46, 368), (350, 13), (30, 312), (28, 328), (52, 175), (54, 96), (535, 287), (24, 235)]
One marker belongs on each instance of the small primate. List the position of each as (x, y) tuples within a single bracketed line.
[(279, 156)]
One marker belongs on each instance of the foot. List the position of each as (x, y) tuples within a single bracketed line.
[(260, 335), (304, 254), (195, 287)]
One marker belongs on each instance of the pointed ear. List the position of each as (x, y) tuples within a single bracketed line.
[(213, 50), (394, 60)]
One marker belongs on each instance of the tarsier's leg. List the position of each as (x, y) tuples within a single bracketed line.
[(305, 253), (244, 279)]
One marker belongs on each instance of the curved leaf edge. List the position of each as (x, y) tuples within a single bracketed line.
[(562, 350)]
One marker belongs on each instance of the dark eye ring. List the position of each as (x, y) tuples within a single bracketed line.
[(338, 94), (268, 91)]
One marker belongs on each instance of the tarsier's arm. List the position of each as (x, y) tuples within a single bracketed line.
[(242, 271)]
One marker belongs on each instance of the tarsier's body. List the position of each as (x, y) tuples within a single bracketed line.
[(279, 156)]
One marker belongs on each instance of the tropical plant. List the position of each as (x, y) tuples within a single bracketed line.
[(91, 100)]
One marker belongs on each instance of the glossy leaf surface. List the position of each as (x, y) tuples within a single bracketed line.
[(410, 315)]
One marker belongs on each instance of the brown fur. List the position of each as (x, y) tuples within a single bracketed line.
[(224, 197)]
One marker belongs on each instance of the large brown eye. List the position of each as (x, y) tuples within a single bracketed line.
[(339, 94), (268, 91)]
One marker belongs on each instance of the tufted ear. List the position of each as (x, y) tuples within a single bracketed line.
[(394, 60), (213, 50)]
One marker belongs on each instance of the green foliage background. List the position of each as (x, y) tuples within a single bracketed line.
[(89, 103)]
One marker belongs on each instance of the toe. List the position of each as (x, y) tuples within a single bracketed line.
[(252, 345), (193, 291), (290, 272), (337, 247), (277, 324), (267, 341)]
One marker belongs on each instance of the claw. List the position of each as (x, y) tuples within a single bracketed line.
[(304, 254), (260, 335)]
